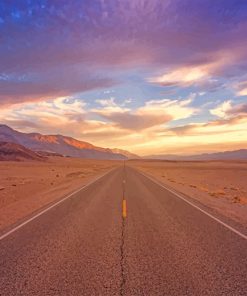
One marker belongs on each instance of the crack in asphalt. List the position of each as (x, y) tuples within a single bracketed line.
[(123, 276)]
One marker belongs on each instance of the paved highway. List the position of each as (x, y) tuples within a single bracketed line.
[(123, 235)]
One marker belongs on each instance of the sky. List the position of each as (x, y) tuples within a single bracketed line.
[(148, 76)]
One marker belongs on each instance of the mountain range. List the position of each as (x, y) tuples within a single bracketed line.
[(15, 145), (225, 155), (16, 152), (60, 144)]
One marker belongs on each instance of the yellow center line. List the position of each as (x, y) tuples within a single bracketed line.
[(124, 209)]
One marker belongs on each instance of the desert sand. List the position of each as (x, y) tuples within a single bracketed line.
[(26, 186), (219, 185)]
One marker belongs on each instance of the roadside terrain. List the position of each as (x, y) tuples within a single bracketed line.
[(220, 185), (26, 186)]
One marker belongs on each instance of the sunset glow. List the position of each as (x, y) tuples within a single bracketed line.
[(147, 76)]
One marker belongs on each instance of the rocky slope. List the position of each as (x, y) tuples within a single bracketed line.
[(64, 145)]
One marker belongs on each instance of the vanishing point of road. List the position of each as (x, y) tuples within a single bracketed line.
[(123, 234)]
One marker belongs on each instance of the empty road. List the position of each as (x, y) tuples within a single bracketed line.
[(152, 243)]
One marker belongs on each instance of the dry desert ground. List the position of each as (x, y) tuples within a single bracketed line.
[(26, 186), (221, 185)]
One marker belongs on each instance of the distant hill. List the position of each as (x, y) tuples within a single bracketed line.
[(225, 155), (60, 144), (12, 151), (128, 154)]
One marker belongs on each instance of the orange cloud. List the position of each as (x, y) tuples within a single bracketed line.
[(144, 130), (153, 113)]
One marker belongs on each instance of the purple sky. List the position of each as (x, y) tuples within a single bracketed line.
[(147, 76)]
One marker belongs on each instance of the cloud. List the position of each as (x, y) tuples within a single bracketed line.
[(54, 49), (107, 102), (201, 137), (242, 92), (212, 127), (144, 130), (62, 48), (153, 113), (228, 121), (204, 75), (222, 109), (181, 76), (112, 124), (176, 109), (47, 84), (132, 120), (228, 110), (136, 121), (241, 88), (45, 115)]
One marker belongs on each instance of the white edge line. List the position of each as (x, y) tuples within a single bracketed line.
[(50, 207), (195, 206)]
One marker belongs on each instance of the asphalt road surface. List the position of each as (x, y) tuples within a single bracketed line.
[(152, 243)]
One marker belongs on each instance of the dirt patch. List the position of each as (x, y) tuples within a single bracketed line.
[(28, 186)]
